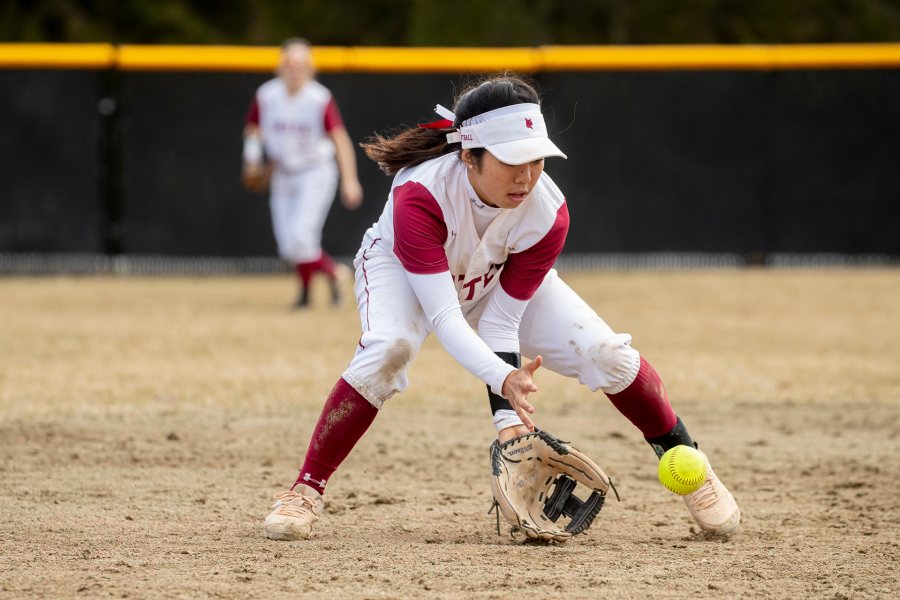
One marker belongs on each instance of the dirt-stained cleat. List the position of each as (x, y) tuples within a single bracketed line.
[(294, 514), (713, 507)]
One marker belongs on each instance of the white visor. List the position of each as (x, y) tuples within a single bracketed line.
[(514, 134)]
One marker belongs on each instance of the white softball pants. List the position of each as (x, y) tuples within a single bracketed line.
[(557, 324), (300, 203)]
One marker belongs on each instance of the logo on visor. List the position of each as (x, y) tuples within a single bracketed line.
[(528, 123), (467, 137)]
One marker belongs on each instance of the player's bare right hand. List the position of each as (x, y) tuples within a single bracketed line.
[(518, 385)]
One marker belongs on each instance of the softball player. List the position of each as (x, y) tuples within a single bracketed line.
[(466, 243), (294, 122)]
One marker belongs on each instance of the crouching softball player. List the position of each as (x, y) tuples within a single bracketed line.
[(466, 243)]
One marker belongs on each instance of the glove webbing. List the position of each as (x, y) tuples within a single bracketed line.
[(580, 512)]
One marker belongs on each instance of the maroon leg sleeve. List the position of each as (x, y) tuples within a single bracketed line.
[(645, 403), (345, 418)]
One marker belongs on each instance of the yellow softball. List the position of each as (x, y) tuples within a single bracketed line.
[(682, 470)]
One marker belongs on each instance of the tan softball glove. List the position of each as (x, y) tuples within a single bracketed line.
[(256, 177), (533, 478)]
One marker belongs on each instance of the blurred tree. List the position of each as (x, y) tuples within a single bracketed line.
[(332, 22), (477, 23), (456, 23)]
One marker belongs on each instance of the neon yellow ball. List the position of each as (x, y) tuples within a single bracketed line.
[(682, 470)]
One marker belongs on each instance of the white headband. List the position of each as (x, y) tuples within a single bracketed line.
[(514, 134)]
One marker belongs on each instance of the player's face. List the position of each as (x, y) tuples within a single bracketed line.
[(296, 66), (499, 184)]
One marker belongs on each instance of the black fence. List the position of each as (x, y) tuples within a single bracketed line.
[(752, 163)]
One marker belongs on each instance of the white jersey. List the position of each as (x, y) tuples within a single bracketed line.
[(505, 288), (430, 224), (294, 127), (434, 225)]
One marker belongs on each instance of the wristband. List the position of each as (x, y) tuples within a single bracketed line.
[(253, 151), (499, 402)]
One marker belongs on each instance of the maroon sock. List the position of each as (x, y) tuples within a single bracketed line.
[(645, 403), (305, 272), (345, 418)]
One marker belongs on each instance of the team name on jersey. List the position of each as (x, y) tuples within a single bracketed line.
[(472, 285), (291, 127)]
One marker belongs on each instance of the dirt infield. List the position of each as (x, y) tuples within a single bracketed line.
[(145, 423)]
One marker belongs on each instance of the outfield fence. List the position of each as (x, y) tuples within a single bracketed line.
[(755, 152)]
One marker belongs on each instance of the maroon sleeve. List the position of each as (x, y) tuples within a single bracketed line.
[(524, 271), (333, 118), (252, 117), (419, 230)]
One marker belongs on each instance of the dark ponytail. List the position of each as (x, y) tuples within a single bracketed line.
[(415, 145)]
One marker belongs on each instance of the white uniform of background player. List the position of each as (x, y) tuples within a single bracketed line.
[(295, 120), (465, 248)]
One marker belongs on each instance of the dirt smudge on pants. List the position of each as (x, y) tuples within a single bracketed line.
[(396, 358)]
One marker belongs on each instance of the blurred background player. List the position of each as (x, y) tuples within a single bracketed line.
[(466, 243), (292, 135)]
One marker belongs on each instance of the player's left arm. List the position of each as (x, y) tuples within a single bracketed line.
[(253, 153), (345, 154)]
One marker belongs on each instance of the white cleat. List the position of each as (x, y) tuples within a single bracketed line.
[(295, 513), (712, 506)]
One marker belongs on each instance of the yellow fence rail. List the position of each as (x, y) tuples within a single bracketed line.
[(130, 57)]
